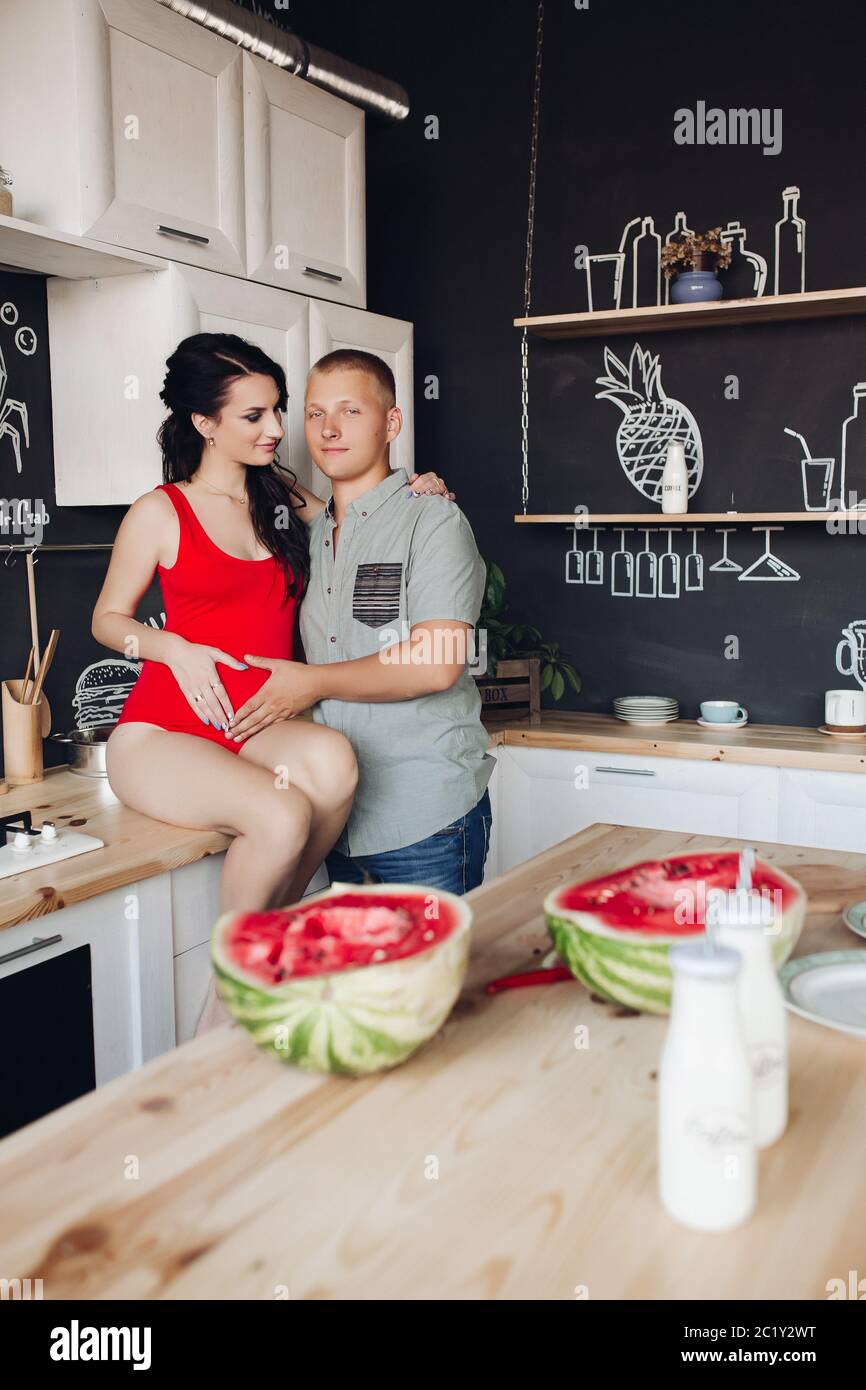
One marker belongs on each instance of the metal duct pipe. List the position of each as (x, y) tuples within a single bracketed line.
[(287, 50)]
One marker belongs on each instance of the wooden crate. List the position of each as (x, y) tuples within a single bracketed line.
[(512, 693)]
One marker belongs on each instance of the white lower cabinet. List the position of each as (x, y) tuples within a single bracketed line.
[(194, 910), (826, 810), (546, 794)]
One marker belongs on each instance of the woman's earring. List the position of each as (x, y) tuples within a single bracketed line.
[(210, 439)]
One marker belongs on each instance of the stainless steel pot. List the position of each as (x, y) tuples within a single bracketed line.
[(85, 749)]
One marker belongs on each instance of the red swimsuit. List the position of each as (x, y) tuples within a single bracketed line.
[(217, 600)]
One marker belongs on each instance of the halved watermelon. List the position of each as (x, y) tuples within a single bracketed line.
[(614, 932), (351, 980)]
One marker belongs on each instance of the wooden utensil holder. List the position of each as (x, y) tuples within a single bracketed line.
[(24, 727)]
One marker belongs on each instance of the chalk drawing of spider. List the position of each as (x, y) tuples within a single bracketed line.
[(6, 409)]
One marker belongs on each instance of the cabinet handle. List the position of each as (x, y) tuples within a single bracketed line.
[(38, 943), (633, 771), (322, 274), (188, 236)]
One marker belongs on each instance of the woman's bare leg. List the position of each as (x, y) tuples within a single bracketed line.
[(319, 762), (191, 781)]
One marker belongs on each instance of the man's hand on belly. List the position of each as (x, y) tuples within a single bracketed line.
[(290, 689)]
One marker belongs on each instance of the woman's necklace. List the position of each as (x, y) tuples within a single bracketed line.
[(241, 501)]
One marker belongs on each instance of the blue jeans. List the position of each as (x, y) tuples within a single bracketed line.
[(452, 859)]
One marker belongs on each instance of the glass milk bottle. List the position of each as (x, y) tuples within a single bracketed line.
[(706, 1154), (675, 480), (743, 919)]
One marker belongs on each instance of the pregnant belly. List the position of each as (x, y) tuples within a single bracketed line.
[(157, 698)]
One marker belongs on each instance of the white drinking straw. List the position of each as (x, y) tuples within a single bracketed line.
[(795, 435)]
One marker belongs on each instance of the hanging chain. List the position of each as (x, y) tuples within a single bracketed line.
[(527, 274)]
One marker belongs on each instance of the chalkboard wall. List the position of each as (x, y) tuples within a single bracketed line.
[(446, 221), (446, 229)]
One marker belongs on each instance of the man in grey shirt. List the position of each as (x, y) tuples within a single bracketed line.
[(395, 591)]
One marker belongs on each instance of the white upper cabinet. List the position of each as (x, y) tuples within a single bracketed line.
[(332, 326), (109, 343), (304, 174), (123, 122)]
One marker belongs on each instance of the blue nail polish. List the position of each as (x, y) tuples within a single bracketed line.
[(245, 665)]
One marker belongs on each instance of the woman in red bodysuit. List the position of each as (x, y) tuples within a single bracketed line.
[(225, 532)]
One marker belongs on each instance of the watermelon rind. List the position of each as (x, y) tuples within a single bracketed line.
[(632, 967), (358, 1021)]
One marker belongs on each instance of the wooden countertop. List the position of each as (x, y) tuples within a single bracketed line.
[(774, 745), (255, 1180), (137, 847)]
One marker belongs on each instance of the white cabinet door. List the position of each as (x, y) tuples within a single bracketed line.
[(124, 122), (110, 339), (277, 322), (547, 794), (304, 176), (826, 810), (192, 976), (332, 326)]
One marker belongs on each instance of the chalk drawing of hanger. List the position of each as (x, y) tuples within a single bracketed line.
[(725, 565), (622, 568), (669, 568), (646, 569), (574, 561), (768, 566), (694, 562)]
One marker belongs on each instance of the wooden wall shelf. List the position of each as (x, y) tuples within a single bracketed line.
[(660, 519), (28, 246), (770, 308)]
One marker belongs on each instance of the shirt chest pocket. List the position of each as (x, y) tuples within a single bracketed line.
[(376, 595)]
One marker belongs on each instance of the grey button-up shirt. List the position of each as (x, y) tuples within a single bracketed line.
[(400, 560)]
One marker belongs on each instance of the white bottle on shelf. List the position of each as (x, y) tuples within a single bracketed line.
[(744, 919), (706, 1153), (675, 480)]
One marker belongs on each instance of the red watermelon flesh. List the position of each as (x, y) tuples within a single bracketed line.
[(645, 896), (339, 933)]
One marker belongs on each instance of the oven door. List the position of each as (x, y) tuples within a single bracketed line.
[(86, 994)]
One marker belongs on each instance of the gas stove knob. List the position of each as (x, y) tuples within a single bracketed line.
[(21, 842), (49, 830)]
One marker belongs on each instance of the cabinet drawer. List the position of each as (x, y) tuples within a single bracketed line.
[(826, 810), (547, 794)]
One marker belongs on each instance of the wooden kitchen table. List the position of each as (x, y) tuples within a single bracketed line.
[(502, 1161)]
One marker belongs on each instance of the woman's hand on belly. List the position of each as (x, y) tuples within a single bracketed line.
[(291, 688), (194, 667)]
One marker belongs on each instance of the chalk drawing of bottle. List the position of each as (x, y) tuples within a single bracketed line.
[(746, 276), (790, 247), (646, 263), (852, 465), (680, 232), (630, 233)]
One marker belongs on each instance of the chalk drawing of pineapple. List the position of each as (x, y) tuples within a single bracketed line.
[(651, 421)]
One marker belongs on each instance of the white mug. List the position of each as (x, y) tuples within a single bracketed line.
[(844, 708)]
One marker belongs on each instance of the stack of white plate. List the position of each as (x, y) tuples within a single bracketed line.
[(646, 709)]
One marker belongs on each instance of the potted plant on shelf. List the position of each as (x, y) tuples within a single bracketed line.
[(692, 265), (520, 664), (5, 195)]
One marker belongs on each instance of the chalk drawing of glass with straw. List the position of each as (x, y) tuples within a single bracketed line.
[(574, 560), (817, 477), (622, 567)]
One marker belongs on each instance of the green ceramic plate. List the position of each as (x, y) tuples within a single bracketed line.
[(828, 988), (854, 917)]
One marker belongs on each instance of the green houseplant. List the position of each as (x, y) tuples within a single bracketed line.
[(509, 641)]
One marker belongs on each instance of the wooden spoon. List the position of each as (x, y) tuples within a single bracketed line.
[(47, 658)]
